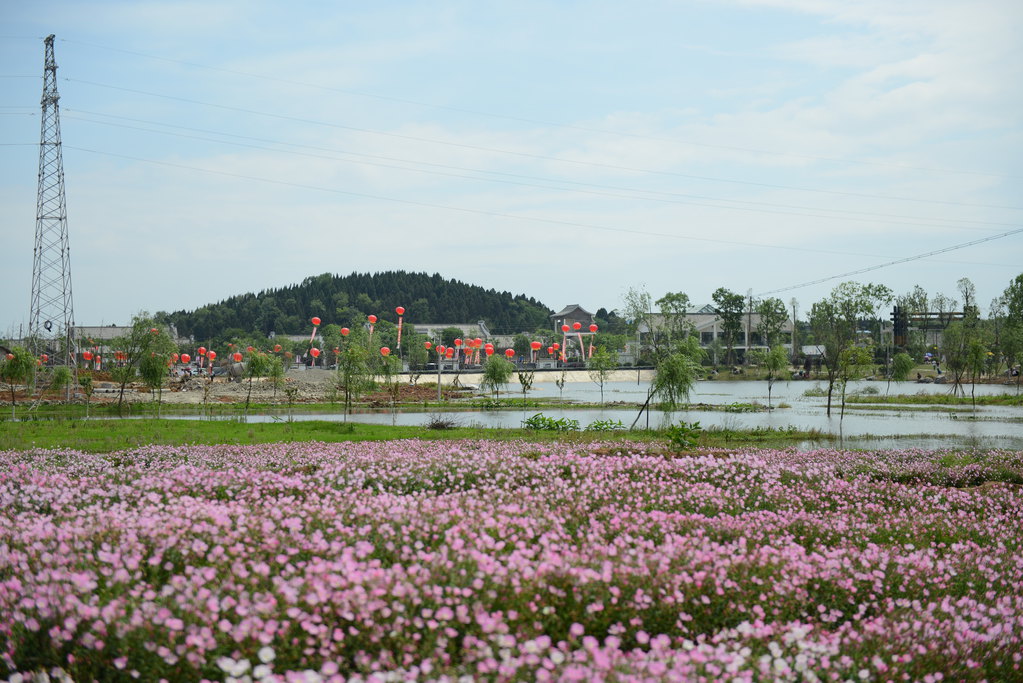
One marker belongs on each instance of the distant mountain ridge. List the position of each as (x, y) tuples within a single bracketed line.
[(348, 299)]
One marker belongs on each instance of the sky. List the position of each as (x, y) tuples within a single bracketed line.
[(567, 151)]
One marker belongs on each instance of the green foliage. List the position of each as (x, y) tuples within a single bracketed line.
[(684, 435), (542, 423), (730, 307), (496, 373), (676, 374), (352, 373), (61, 378), (834, 322), (902, 365), (19, 369), (600, 367), (773, 315), (605, 426), (346, 300)]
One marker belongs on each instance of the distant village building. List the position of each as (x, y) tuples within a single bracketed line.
[(570, 315), (709, 327)]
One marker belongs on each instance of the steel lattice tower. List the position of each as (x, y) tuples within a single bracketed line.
[(51, 322)]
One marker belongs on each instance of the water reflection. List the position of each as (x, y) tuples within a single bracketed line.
[(862, 426)]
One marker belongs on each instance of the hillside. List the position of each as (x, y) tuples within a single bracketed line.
[(348, 299)]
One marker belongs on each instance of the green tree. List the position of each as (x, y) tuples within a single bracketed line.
[(17, 367), (674, 307), (976, 359), (521, 346), (449, 334), (676, 374), (275, 373), (258, 364), (772, 318), (834, 322), (730, 308), (637, 309), (1011, 341), (145, 339), (600, 367), (775, 361), (525, 378), (955, 342), (853, 361), (902, 365), (352, 374), (85, 381), (153, 364), (496, 372)]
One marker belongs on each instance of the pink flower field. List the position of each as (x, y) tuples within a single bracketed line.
[(509, 561)]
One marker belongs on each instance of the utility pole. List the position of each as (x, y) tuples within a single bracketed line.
[(795, 349), (51, 323), (749, 325)]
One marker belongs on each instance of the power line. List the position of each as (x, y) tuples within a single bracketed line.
[(496, 214), (894, 263), (657, 196), (527, 155), (519, 119)]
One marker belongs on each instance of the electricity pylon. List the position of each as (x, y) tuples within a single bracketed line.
[(51, 325)]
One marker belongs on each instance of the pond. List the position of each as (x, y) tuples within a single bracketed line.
[(861, 427)]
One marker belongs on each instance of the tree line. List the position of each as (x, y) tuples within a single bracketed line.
[(347, 299)]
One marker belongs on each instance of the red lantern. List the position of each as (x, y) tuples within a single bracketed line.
[(314, 352), (399, 310), (87, 355), (185, 358), (550, 350), (46, 359), (449, 353), (212, 355), (564, 328), (593, 328), (174, 358), (249, 349), (384, 351), (10, 356), (372, 319), (576, 326), (556, 346), (535, 345), (202, 350), (316, 322), (237, 357), (509, 352), (458, 342), (428, 345), (345, 331), (277, 348), (489, 350), (154, 330)]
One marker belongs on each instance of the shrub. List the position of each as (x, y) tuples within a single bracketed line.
[(684, 435), (541, 422)]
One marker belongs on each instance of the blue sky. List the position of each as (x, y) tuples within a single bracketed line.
[(568, 151)]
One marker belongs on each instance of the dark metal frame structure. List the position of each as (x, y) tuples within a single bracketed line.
[(51, 320)]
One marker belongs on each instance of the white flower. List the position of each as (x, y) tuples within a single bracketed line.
[(266, 654), (261, 671)]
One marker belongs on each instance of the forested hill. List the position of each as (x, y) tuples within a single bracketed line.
[(348, 299)]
